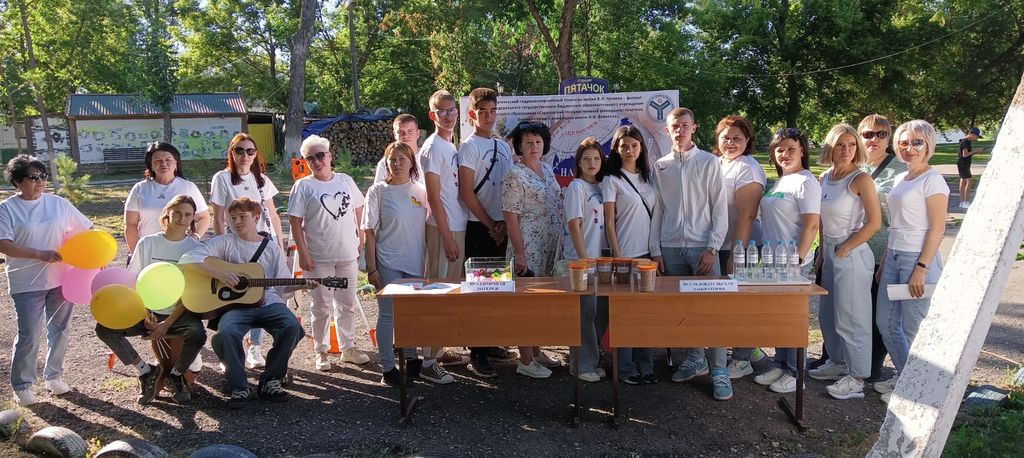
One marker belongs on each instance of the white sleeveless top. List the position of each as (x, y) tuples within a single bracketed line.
[(842, 213)]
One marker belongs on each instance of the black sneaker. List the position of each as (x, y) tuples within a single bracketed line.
[(649, 379), (179, 390), (272, 390), (147, 382), (239, 398), (481, 367), (632, 380), (413, 367), (394, 378), (500, 354)]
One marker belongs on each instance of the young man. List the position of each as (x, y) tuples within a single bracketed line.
[(406, 130), (483, 161), (690, 223), (241, 246), (964, 154)]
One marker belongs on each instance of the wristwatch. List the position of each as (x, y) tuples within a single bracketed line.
[(713, 251)]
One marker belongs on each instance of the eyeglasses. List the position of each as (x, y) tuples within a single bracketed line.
[(917, 143), (248, 151), (316, 157), (446, 113), (531, 125), (870, 134), (38, 177), (789, 132)]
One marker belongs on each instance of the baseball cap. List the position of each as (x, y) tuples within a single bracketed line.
[(976, 131)]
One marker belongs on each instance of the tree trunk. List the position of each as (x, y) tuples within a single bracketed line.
[(299, 44), (561, 50), (51, 155)]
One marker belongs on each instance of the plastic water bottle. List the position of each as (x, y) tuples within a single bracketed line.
[(767, 262), (752, 271), (794, 261), (739, 261), (781, 269)]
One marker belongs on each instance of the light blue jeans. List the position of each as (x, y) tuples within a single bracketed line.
[(684, 262), (277, 320), (593, 322), (845, 313), (386, 320), (31, 308), (898, 321)]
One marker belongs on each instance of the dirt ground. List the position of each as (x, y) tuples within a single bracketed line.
[(347, 412)]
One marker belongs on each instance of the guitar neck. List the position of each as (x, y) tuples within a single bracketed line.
[(269, 282)]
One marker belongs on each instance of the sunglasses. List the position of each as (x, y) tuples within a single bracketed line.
[(247, 151), (37, 177), (871, 134), (316, 157), (789, 132), (917, 143), (531, 125)]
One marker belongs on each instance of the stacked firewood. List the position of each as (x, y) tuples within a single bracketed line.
[(365, 140)]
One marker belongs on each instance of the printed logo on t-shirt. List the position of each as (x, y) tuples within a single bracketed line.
[(776, 195), (336, 205), (415, 202)]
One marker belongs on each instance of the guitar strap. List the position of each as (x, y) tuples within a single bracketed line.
[(259, 251)]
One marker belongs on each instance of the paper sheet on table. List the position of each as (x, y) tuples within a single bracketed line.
[(419, 288), (901, 292)]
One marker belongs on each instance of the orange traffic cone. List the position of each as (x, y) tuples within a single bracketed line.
[(335, 347), (110, 361)]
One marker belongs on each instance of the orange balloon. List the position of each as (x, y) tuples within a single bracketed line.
[(90, 249), (117, 307)]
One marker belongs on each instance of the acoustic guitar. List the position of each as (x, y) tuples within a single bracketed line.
[(209, 296)]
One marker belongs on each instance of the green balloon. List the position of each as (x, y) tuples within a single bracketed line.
[(160, 285)]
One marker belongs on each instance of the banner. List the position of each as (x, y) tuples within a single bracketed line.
[(573, 118)]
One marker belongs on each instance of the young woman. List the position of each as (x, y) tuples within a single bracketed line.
[(917, 206), (629, 201), (163, 180), (883, 167), (394, 224), (850, 214), (243, 177), (178, 222), (744, 181), (789, 211), (324, 212), (584, 221), (33, 225), (531, 202)]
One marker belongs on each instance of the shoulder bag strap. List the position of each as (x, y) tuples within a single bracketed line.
[(649, 213), (494, 159), (878, 170)]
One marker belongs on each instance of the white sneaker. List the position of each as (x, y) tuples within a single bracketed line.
[(323, 364), (197, 364), (534, 369), (600, 372), (962, 204), (739, 369), (25, 397), (846, 388), (829, 371), (767, 378), (254, 358), (886, 386), (591, 377), (354, 356), (547, 361), (784, 384), (221, 368), (887, 397), (57, 387)]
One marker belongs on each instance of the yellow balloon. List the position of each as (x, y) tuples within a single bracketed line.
[(117, 307), (90, 249)]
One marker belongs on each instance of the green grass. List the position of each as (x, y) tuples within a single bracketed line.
[(995, 432)]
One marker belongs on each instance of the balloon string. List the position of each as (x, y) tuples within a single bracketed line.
[(24, 266), (55, 312)]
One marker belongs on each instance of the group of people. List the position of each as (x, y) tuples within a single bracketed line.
[(878, 218)]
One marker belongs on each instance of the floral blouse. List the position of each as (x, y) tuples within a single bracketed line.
[(538, 202)]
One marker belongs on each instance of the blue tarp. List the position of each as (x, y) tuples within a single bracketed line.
[(319, 126)]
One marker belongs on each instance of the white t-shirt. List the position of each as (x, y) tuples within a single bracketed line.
[(792, 195), (230, 248), (156, 248), (476, 154), (438, 156), (908, 209), (583, 200), (328, 212), (222, 193), (149, 197), (381, 172), (632, 222), (43, 224), (737, 174), (397, 214)]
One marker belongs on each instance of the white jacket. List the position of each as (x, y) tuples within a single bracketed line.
[(692, 209)]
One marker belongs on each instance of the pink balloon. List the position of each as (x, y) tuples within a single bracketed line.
[(77, 285), (113, 276)]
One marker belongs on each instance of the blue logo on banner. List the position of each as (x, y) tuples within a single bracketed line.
[(583, 85)]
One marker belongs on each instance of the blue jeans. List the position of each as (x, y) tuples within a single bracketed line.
[(593, 322), (277, 320), (845, 313), (386, 319), (899, 321), (684, 262), (30, 308)]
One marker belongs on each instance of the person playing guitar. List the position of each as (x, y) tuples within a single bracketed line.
[(243, 245)]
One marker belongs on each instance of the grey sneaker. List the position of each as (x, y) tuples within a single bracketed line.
[(437, 375), (690, 370), (239, 398)]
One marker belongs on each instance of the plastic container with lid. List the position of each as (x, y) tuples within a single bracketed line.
[(623, 267), (646, 273), (604, 270), (591, 270), (578, 275)]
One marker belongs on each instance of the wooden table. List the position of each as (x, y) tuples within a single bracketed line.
[(756, 316), (541, 312)]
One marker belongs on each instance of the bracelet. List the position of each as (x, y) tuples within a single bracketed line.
[(922, 265), (371, 272)]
